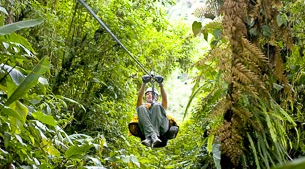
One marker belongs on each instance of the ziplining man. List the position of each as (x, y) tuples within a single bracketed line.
[(153, 121)]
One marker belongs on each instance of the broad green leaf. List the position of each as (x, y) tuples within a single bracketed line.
[(7, 139), (76, 151), (253, 31), (281, 20), (21, 109), (10, 112), (217, 33), (26, 45), (10, 28), (10, 86), (196, 27), (15, 74), (30, 81), (296, 164), (46, 119), (266, 30), (48, 146), (3, 10)]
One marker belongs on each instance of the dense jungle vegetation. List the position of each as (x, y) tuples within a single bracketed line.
[(68, 90)]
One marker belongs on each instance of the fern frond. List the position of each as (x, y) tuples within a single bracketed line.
[(220, 108), (232, 141), (270, 125), (281, 111), (243, 113), (247, 77), (254, 151), (244, 88), (256, 55), (241, 73), (263, 146)]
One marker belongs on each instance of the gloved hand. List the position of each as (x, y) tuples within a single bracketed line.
[(146, 78), (159, 79)]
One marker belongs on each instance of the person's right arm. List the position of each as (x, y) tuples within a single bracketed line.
[(140, 95)]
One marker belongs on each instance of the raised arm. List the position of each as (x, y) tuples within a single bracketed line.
[(140, 95), (164, 96)]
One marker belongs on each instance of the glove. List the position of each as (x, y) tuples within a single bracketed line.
[(159, 79), (146, 78)]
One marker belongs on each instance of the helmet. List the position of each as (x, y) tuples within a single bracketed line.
[(150, 90)]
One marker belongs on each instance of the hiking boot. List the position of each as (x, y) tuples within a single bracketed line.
[(147, 142), (155, 140)]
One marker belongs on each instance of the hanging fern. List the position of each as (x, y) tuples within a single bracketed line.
[(252, 126)]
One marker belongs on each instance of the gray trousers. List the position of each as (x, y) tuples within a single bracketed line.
[(152, 120)]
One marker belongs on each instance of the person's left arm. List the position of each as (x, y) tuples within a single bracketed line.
[(160, 79), (164, 96)]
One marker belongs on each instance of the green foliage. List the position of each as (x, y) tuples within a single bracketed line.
[(296, 164), (68, 90), (10, 28), (295, 70), (68, 56), (29, 134), (269, 123)]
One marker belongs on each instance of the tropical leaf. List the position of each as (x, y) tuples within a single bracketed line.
[(30, 81), (46, 119), (48, 147), (10, 28), (10, 112), (76, 151), (15, 74), (3, 10), (295, 164), (25, 44), (196, 28), (21, 109)]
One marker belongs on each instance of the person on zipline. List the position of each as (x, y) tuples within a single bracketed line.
[(153, 121)]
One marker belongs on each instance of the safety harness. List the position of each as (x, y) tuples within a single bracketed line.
[(171, 133)]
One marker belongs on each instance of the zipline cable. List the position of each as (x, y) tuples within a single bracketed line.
[(113, 36)]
